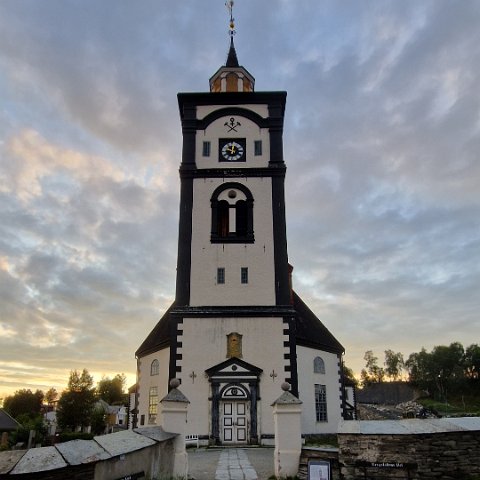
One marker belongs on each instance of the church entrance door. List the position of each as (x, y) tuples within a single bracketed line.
[(234, 422)]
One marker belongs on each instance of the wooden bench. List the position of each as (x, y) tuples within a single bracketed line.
[(191, 440)]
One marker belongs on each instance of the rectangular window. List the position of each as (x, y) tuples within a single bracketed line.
[(244, 275), (206, 149), (220, 275), (152, 405), (321, 402), (258, 147), (142, 419)]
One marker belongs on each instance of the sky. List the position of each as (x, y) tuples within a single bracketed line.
[(381, 141)]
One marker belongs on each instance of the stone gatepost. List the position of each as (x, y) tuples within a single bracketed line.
[(287, 412), (173, 419)]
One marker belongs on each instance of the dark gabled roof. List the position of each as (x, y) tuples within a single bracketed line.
[(159, 337), (311, 332), (7, 423)]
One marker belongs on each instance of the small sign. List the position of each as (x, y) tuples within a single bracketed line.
[(386, 465), (318, 470)]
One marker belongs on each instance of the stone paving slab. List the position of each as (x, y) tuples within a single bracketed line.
[(231, 464)]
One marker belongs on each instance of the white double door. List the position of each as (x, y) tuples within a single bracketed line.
[(234, 422)]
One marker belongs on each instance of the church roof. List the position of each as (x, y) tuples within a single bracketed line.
[(310, 332), (7, 423), (159, 337)]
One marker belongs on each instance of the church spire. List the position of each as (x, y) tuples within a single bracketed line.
[(232, 60), (232, 77)]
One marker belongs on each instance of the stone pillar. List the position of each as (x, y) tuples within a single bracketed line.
[(173, 419), (287, 412)]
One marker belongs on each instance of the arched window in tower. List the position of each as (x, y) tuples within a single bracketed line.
[(232, 214), (318, 365)]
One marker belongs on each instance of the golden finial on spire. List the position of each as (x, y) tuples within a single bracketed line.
[(229, 4)]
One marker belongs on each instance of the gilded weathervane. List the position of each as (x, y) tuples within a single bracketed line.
[(229, 4)]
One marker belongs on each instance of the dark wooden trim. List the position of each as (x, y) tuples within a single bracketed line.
[(247, 172), (233, 311)]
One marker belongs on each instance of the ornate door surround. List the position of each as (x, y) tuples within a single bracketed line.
[(234, 388)]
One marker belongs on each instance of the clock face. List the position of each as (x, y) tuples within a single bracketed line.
[(232, 150)]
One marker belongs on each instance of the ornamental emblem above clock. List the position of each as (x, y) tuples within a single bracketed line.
[(231, 149)]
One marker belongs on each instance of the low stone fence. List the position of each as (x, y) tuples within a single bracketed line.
[(139, 454), (446, 448)]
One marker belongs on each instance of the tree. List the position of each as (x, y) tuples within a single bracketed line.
[(112, 390), (439, 371), (393, 364), (24, 402), (349, 375), (448, 366), (373, 373), (76, 404), (420, 369), (51, 395), (472, 362), (28, 423)]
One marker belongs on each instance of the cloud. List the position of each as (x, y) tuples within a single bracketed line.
[(382, 133)]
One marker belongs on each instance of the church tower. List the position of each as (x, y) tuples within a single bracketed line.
[(233, 331)]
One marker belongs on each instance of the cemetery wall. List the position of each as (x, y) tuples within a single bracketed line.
[(414, 449)]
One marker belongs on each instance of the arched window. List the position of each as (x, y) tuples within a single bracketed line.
[(318, 365), (154, 367), (234, 391), (232, 214)]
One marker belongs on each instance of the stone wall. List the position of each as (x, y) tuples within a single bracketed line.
[(415, 449), (143, 453)]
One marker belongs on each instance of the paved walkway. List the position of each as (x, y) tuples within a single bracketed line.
[(231, 464)]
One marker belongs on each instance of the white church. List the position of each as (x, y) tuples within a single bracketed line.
[(237, 330)]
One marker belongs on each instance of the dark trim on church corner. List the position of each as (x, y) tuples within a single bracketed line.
[(184, 256), (233, 311), (292, 346), (175, 344), (282, 287)]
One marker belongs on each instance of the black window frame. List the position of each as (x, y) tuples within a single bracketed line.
[(221, 276), (257, 148), (206, 148), (244, 275)]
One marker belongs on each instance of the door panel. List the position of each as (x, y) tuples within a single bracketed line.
[(234, 422)]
